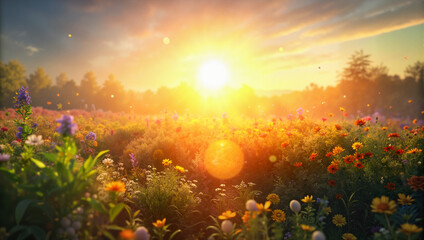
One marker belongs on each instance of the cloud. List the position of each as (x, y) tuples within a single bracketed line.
[(31, 50)]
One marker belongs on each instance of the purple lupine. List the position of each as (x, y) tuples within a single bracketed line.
[(19, 133), (22, 98), (67, 125), (133, 160)]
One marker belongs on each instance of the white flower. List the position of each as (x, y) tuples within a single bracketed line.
[(107, 162), (222, 185), (251, 184), (2, 146), (318, 235), (222, 194), (141, 234), (34, 140), (4, 157), (251, 205), (295, 206), (227, 226)]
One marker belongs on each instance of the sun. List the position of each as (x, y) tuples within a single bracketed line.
[(213, 74)]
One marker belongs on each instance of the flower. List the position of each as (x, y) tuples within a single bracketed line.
[(390, 186), (348, 236), (227, 215), (359, 165), (332, 182), (349, 159), (333, 168), (339, 220), (408, 228), (388, 148), (308, 199), (159, 223), (405, 200), (166, 162), (327, 210), (284, 144), (4, 157), (313, 156), (246, 216), (274, 198), (298, 164), (108, 162), (337, 150), (4, 129), (307, 228), (91, 136), (416, 183), (264, 207), (22, 98), (227, 226), (141, 234), (342, 109), (337, 127), (67, 125), (318, 235), (357, 146), (126, 234), (295, 206), (393, 135), (383, 205), (329, 154), (278, 215), (19, 133), (251, 205), (338, 196), (116, 186), (414, 151), (34, 140), (360, 122), (180, 169)]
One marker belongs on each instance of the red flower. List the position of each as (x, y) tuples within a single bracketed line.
[(5, 129), (393, 135), (313, 157), (343, 135), (388, 148), (316, 129), (390, 186), (298, 164), (332, 168), (349, 159), (416, 183), (329, 154), (284, 144), (338, 127), (368, 154), (359, 156), (359, 165), (400, 151), (360, 122), (332, 182), (338, 196)]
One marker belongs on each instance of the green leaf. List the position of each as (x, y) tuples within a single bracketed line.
[(97, 206), (107, 234), (37, 232), (174, 233), (39, 163), (113, 212), (51, 157), (21, 208)]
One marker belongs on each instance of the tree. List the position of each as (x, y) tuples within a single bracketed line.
[(89, 88), (38, 80), (61, 80), (12, 77)]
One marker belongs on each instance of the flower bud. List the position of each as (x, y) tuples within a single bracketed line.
[(141, 234), (251, 205), (295, 206), (227, 226), (318, 235)]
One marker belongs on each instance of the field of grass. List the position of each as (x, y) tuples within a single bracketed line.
[(97, 175)]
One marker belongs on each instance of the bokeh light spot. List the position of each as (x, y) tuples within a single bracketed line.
[(166, 40), (223, 159)]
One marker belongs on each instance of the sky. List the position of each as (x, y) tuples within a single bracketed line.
[(268, 45)]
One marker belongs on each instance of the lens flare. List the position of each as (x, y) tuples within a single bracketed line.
[(224, 159)]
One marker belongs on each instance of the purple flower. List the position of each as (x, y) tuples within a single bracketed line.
[(91, 136), (34, 125), (299, 111), (133, 160), (22, 98), (289, 116), (67, 125), (19, 133), (4, 157), (287, 235)]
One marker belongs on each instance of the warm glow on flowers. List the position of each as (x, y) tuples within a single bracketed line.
[(357, 146), (126, 234), (274, 198), (166, 162), (348, 236), (180, 169), (264, 207), (359, 165), (278, 215), (227, 215), (383, 205), (337, 150), (339, 220), (308, 199), (159, 223), (414, 151), (313, 156), (333, 168), (405, 200), (116, 186), (393, 135), (298, 164), (408, 229), (307, 228)]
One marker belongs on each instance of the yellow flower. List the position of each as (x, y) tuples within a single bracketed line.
[(308, 199), (264, 207), (166, 162), (348, 236), (116, 186), (339, 220), (408, 228), (414, 150), (383, 128), (278, 215), (357, 146), (327, 210), (159, 223), (307, 228), (366, 129), (383, 205), (342, 109), (274, 198), (180, 169), (330, 114), (405, 200), (337, 150), (227, 215)]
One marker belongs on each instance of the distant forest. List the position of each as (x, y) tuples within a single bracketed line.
[(363, 89)]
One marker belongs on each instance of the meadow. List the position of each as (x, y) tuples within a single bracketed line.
[(100, 175)]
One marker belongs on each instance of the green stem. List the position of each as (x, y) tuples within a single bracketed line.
[(390, 226)]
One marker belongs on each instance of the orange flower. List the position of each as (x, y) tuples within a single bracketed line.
[(264, 207), (127, 234), (116, 186), (159, 223), (298, 164), (227, 215), (337, 150), (343, 135), (393, 135), (284, 144), (359, 165), (349, 159), (329, 154), (360, 122), (246, 216), (333, 168), (338, 127), (313, 156)]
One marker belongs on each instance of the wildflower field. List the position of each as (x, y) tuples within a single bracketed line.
[(101, 175)]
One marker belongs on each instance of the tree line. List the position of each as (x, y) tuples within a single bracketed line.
[(362, 89)]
